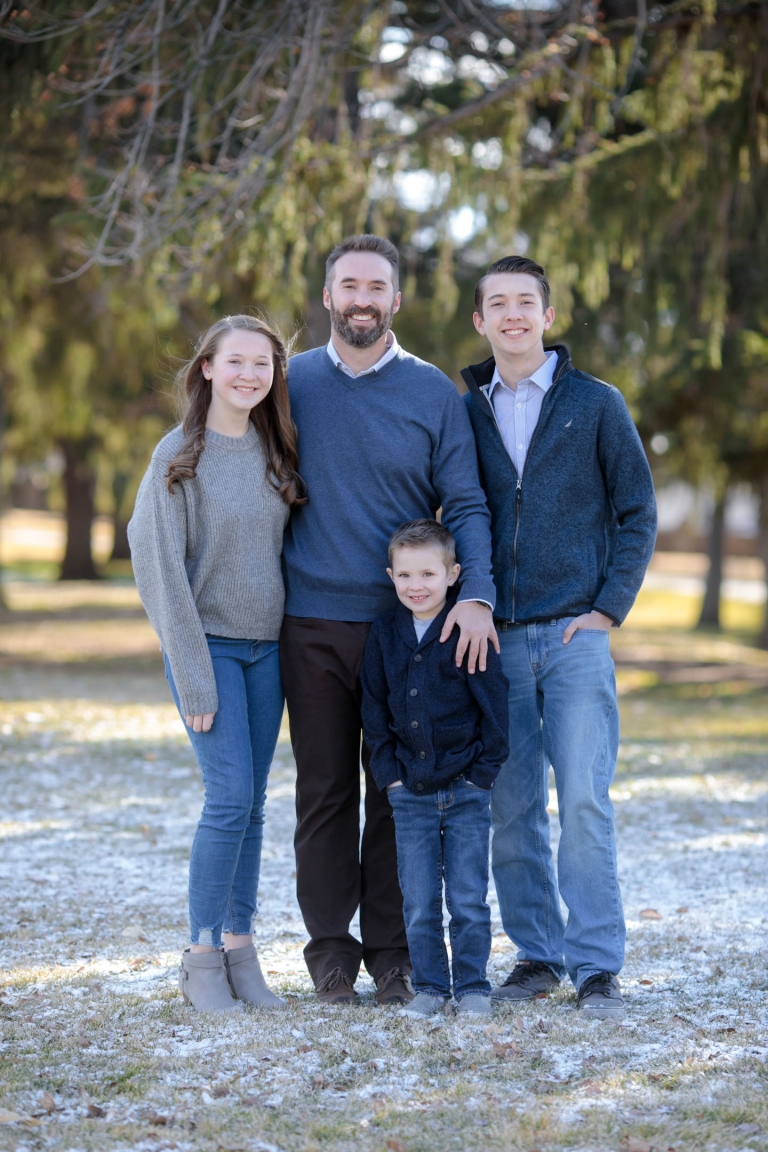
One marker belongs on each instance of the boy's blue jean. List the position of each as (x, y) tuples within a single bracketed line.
[(562, 711), (443, 836), (234, 758)]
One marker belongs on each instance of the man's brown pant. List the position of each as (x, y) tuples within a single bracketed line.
[(320, 662)]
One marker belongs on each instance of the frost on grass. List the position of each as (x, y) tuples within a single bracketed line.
[(100, 797)]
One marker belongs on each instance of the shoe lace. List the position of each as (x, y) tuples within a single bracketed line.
[(524, 972), (385, 981), (600, 982), (333, 979)]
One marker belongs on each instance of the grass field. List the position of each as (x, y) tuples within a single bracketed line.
[(100, 796)]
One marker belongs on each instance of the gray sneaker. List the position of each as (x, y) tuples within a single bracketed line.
[(528, 979), (600, 997), (475, 1004), (423, 1004)]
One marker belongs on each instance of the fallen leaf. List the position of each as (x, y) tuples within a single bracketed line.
[(650, 914), (684, 908), (319, 1081), (304, 1048), (84, 1042), (7, 1117), (635, 1144), (220, 1090), (395, 1145), (509, 1051), (47, 1102), (648, 982), (157, 1118), (544, 1025), (95, 1110), (251, 1101)]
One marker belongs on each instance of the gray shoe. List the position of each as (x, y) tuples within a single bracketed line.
[(423, 1004), (246, 980), (527, 980), (203, 982), (475, 1004), (600, 997)]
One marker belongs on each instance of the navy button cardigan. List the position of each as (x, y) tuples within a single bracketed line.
[(425, 720)]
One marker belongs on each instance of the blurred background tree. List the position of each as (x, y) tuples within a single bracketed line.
[(168, 162)]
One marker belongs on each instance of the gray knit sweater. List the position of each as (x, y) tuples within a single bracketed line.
[(207, 557)]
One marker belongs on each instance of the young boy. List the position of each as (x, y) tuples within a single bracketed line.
[(437, 737), (573, 522)]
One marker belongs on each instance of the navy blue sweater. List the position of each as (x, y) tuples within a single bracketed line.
[(577, 531), (425, 720), (376, 451)]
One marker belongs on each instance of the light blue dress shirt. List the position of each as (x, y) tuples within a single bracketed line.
[(517, 411), (392, 350)]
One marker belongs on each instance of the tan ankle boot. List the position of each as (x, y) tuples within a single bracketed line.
[(203, 982), (246, 980)]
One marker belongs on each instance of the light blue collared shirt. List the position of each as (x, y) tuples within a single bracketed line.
[(517, 412), (392, 350)]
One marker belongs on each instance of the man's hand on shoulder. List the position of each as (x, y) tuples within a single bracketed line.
[(593, 621), (475, 621)]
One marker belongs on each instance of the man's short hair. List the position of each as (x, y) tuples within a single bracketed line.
[(514, 264), (365, 243), (424, 534)]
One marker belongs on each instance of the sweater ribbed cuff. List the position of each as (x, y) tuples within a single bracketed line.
[(198, 705), (478, 588)]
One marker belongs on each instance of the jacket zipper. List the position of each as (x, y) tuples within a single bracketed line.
[(518, 498)]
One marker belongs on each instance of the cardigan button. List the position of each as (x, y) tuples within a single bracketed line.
[(419, 787), (414, 691), (422, 755), (417, 657), (414, 723)]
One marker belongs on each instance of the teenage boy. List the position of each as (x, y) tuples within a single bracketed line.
[(437, 737), (383, 438), (573, 524)]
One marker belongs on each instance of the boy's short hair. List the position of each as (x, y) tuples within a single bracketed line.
[(424, 533), (514, 264), (368, 242)]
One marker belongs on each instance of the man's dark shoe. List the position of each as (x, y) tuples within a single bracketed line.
[(529, 978), (336, 988), (394, 987), (600, 997)]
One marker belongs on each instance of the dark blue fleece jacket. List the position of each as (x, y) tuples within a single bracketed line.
[(375, 451), (425, 720), (577, 530)]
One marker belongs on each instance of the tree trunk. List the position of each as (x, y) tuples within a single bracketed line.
[(762, 546), (710, 609), (120, 548), (79, 486), (4, 609)]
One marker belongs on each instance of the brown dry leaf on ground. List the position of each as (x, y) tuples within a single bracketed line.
[(396, 1145), (650, 914), (509, 1051), (637, 1144)]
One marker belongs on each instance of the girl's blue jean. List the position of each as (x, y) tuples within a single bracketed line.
[(444, 837), (234, 758)]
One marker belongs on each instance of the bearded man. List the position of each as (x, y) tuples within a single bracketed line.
[(383, 438)]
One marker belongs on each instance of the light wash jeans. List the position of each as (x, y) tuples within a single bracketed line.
[(563, 711), (443, 837), (234, 758)]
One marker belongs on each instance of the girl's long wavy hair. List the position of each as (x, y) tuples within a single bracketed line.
[(271, 418)]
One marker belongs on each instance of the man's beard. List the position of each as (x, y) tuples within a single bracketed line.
[(361, 337)]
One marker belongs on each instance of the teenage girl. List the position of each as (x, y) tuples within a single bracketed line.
[(206, 538)]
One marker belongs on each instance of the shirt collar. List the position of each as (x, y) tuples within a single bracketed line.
[(542, 377), (392, 350)]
